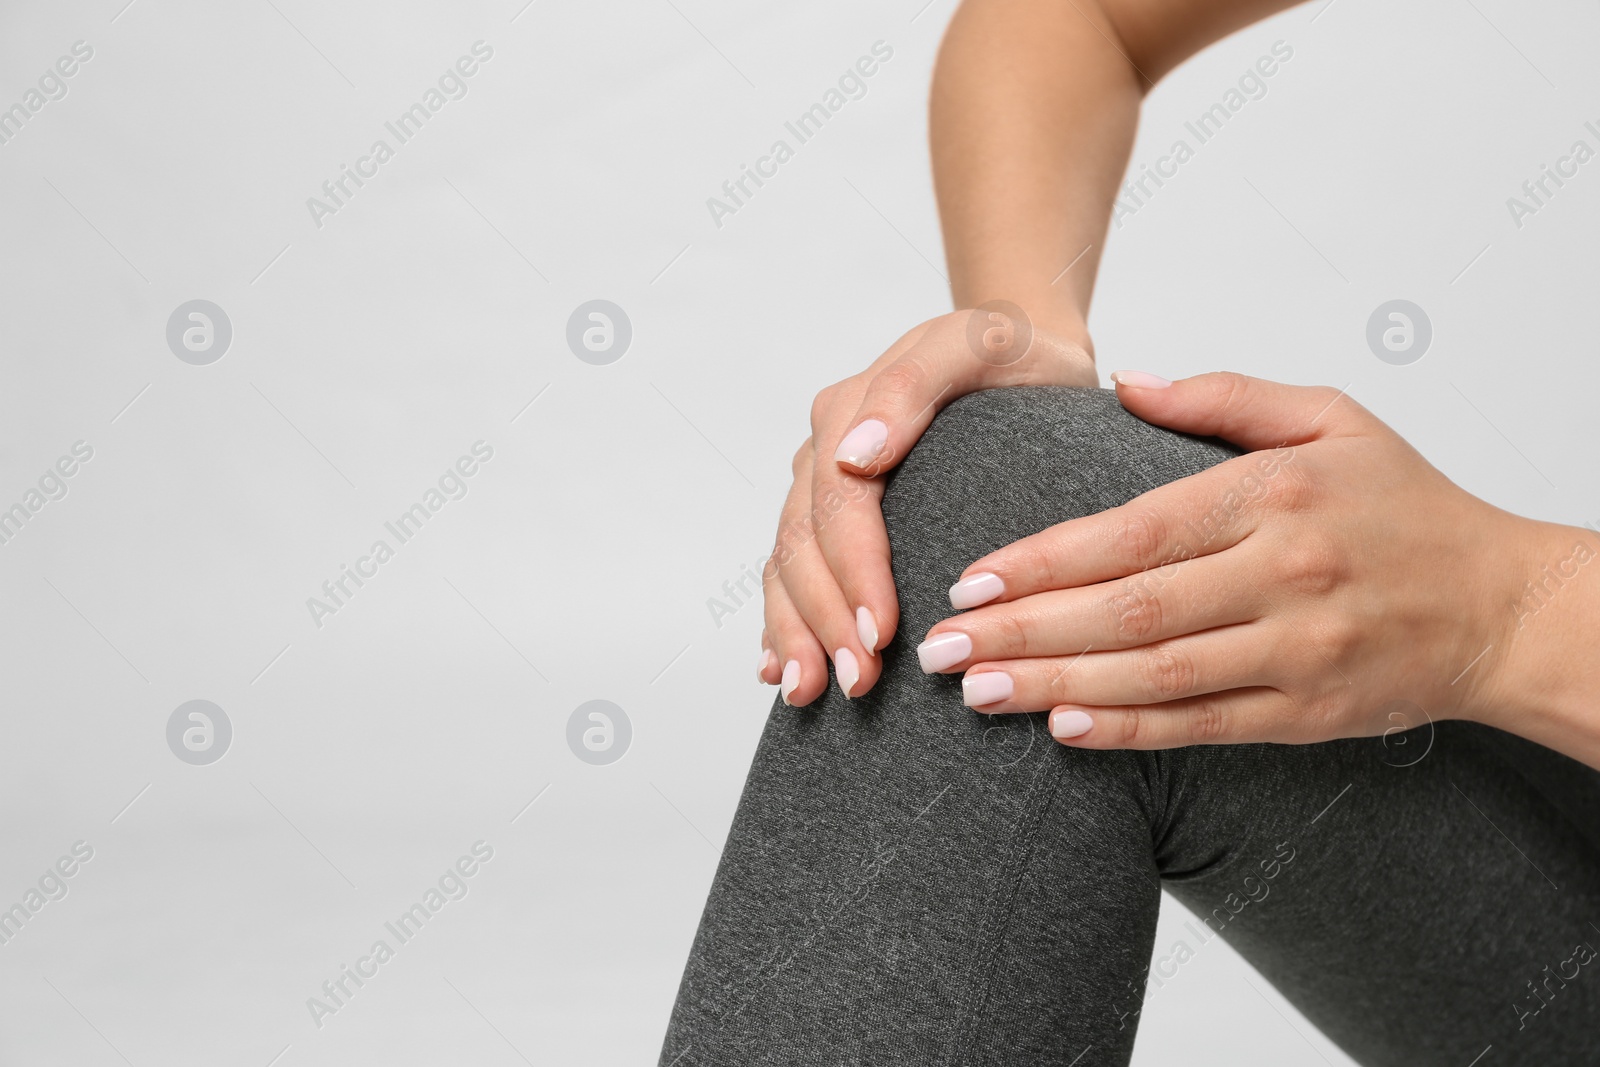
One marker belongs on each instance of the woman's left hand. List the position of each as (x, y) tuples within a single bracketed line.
[(1287, 595)]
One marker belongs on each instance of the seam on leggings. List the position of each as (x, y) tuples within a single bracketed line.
[(998, 910)]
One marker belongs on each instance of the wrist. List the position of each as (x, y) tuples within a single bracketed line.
[(1071, 331), (1058, 325), (1545, 684), (1063, 324)]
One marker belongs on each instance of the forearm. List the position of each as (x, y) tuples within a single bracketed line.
[(1032, 118)]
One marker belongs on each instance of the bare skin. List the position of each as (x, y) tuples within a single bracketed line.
[(1317, 602)]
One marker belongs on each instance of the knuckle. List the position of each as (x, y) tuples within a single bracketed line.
[(1139, 538), (1011, 635), (1315, 707), (1207, 723), (904, 379), (1167, 672), (1310, 716), (823, 405), (1135, 613), (1336, 639), (802, 457), (1034, 559), (1323, 396), (1133, 727), (1310, 567), (1289, 490), (1228, 390), (819, 410), (1335, 409), (1346, 635)]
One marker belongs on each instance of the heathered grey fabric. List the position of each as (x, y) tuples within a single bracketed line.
[(909, 882)]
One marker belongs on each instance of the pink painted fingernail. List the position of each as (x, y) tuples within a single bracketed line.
[(768, 658), (847, 670), (1138, 379), (942, 652), (867, 630), (976, 589), (986, 688), (1069, 724), (791, 680), (863, 444)]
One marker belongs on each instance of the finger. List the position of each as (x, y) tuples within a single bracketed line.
[(769, 668), (813, 591), (802, 663), (815, 594), (959, 353), (1156, 605), (1239, 716), (1231, 657), (1251, 412), (1199, 515), (802, 667), (832, 407), (848, 516)]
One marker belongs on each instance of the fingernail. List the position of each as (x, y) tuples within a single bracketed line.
[(791, 680), (976, 589), (1138, 379), (944, 651), (867, 630), (862, 444), (847, 670), (986, 688), (767, 659), (1069, 724)]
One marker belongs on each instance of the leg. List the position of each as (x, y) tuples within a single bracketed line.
[(1419, 903), (909, 882)]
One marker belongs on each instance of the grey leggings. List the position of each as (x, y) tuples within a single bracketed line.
[(909, 882)]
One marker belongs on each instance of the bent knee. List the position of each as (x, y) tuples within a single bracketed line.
[(998, 465)]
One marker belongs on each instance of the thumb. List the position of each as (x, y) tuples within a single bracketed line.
[(963, 352), (1250, 412)]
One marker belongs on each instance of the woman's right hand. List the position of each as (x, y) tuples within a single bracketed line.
[(828, 588)]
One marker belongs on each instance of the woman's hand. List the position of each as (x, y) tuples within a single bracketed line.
[(828, 589), (1287, 595)]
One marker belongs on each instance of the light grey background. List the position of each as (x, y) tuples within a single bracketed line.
[(430, 313)]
